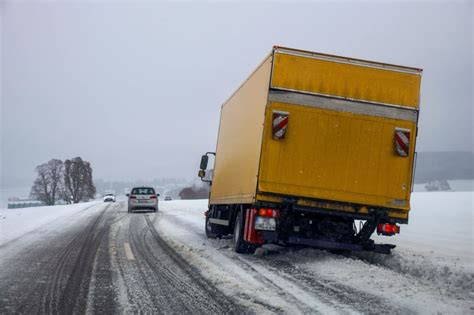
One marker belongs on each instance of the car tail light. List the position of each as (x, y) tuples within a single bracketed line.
[(152, 197), (133, 197), (388, 229)]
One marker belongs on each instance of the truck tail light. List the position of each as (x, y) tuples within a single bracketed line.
[(388, 229), (275, 213), (152, 197), (132, 197), (269, 213)]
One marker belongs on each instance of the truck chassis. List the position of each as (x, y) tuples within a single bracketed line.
[(296, 225)]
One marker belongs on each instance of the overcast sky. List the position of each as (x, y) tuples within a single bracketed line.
[(136, 88)]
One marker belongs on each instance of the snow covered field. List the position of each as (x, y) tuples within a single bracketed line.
[(455, 185), (15, 223)]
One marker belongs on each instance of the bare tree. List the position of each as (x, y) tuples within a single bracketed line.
[(48, 184), (78, 181)]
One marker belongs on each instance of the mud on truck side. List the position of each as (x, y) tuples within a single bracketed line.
[(315, 149)]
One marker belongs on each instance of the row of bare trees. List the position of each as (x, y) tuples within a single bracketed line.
[(70, 181)]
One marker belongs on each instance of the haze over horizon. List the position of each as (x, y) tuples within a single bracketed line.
[(136, 87)]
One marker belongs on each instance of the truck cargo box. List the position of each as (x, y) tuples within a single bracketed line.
[(326, 131)]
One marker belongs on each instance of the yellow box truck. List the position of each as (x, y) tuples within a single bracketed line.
[(311, 144)]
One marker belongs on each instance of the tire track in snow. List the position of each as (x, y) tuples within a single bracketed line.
[(292, 286), (34, 283), (158, 280), (65, 296), (334, 292)]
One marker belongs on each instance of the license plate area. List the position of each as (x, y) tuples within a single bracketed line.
[(266, 224)]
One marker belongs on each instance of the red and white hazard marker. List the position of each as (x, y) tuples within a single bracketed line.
[(280, 124), (402, 141)]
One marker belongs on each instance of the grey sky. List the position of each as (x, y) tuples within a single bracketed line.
[(136, 88)]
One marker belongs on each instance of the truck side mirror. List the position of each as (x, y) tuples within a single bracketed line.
[(201, 173), (204, 160)]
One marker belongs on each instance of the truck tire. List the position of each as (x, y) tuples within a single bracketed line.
[(240, 245), (210, 229), (214, 230)]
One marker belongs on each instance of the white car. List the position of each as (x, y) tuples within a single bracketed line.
[(109, 198), (141, 198)]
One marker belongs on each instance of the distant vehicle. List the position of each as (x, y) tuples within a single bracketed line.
[(327, 141), (168, 199), (109, 198), (142, 198)]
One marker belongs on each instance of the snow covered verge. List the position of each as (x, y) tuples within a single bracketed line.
[(437, 244), (454, 185), (430, 271), (15, 223)]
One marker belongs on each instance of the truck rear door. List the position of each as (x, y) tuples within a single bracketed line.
[(340, 130)]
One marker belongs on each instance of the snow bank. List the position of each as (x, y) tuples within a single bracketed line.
[(15, 223), (430, 271), (454, 184), (436, 245), (439, 223)]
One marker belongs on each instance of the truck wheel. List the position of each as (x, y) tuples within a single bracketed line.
[(240, 245), (210, 230), (215, 230)]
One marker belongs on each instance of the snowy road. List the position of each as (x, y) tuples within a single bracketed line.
[(109, 261), (100, 259)]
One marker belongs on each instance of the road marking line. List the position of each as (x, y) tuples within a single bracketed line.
[(128, 251)]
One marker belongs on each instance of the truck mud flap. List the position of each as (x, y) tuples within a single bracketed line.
[(383, 248)]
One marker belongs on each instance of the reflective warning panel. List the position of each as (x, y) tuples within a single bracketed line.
[(402, 141), (280, 124)]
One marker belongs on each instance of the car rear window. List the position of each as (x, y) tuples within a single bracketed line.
[(143, 191)]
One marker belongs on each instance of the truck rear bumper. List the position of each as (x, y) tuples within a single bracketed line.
[(272, 237), (332, 208), (324, 244)]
